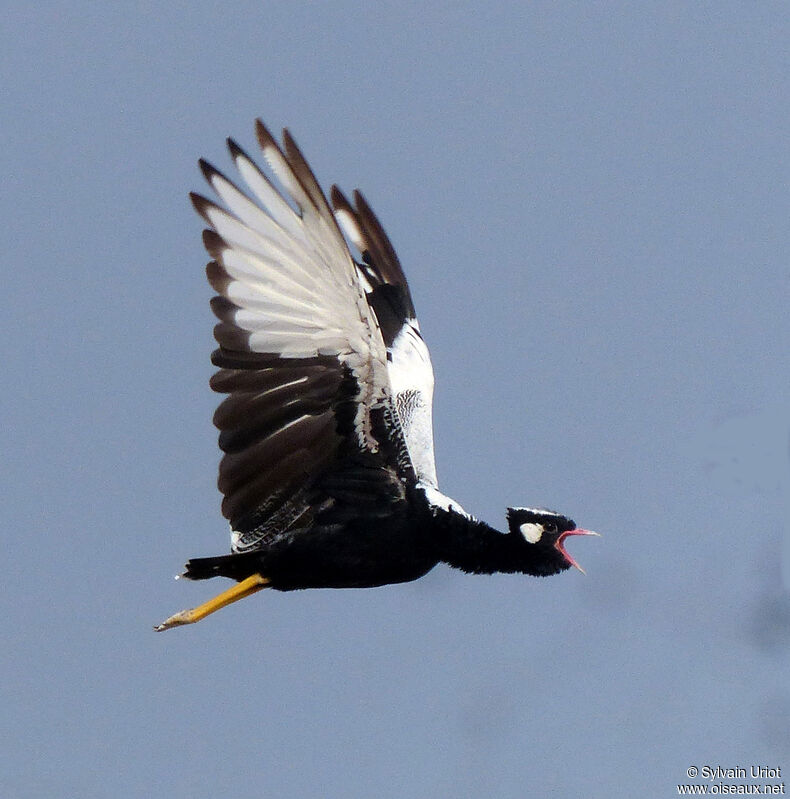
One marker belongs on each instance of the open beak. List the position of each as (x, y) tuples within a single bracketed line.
[(561, 549)]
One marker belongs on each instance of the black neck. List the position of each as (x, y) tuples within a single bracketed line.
[(477, 548)]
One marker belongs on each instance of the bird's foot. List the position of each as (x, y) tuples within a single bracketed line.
[(239, 591)]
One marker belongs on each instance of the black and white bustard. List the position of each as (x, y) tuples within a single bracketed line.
[(328, 471)]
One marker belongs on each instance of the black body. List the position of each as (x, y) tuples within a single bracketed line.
[(363, 544)]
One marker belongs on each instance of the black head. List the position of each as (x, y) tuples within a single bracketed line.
[(543, 532)]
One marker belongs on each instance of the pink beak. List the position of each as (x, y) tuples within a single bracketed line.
[(561, 549)]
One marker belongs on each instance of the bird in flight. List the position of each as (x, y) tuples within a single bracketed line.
[(328, 470)]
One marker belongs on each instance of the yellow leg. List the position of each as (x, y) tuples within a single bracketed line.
[(233, 594)]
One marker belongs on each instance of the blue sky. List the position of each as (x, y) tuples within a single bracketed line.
[(590, 201)]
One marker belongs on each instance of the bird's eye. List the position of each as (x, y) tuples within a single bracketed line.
[(550, 527)]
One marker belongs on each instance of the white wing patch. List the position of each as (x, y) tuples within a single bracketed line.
[(411, 378), (438, 500)]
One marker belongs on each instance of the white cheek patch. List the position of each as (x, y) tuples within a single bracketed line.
[(531, 532)]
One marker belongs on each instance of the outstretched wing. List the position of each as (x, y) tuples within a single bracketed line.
[(408, 359), (301, 353)]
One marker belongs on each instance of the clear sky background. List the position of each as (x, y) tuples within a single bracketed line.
[(591, 203)]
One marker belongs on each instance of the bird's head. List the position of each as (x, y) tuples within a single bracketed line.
[(543, 532)]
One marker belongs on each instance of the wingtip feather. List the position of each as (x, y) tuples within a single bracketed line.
[(234, 149), (200, 204), (206, 168), (339, 200), (264, 136)]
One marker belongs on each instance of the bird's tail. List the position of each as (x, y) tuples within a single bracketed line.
[(237, 567)]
